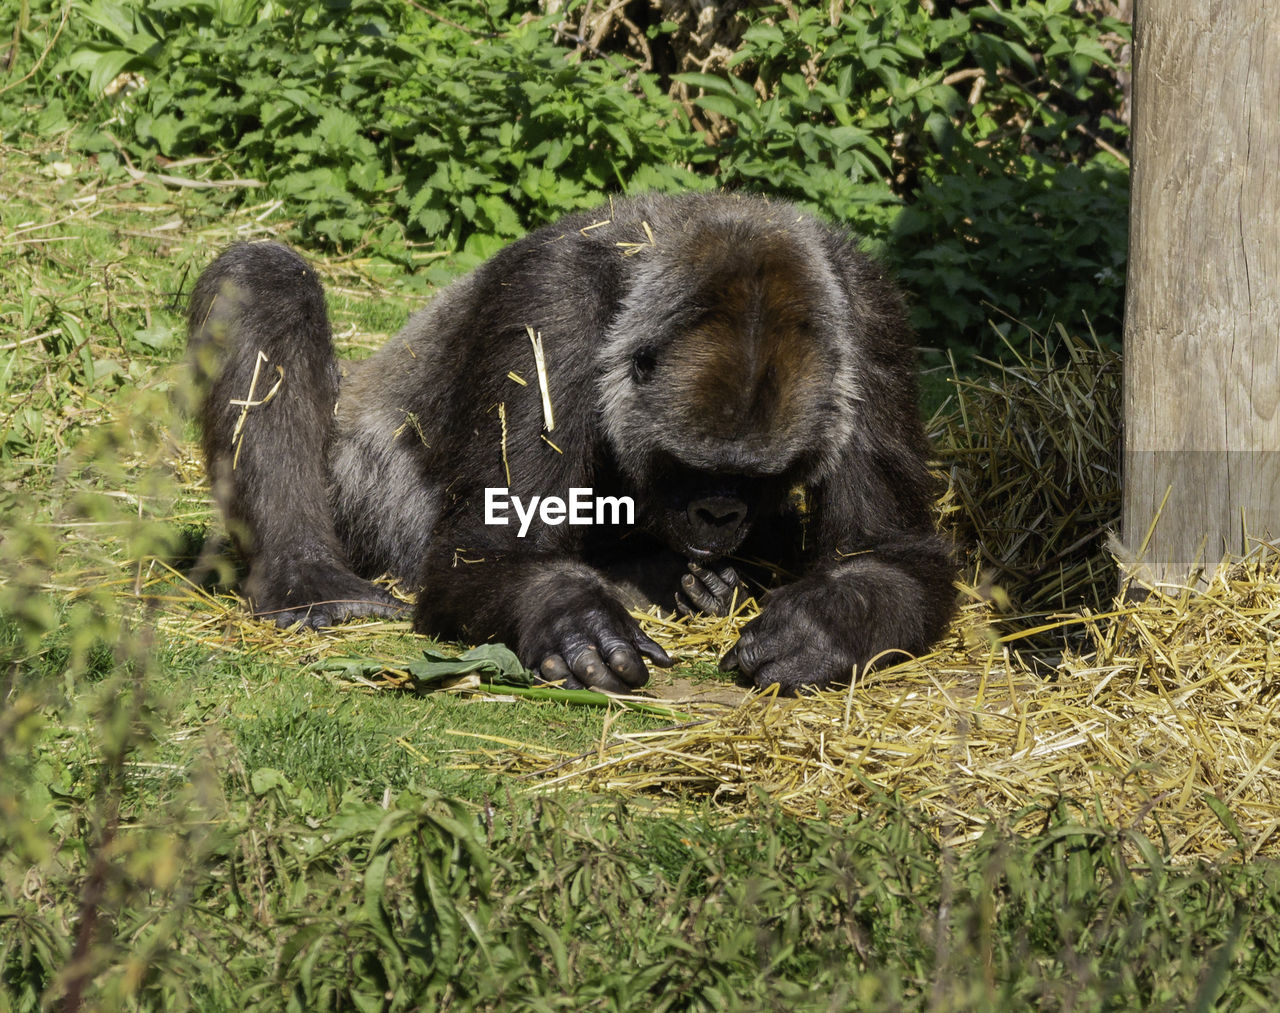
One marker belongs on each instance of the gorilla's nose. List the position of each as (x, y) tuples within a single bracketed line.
[(717, 518)]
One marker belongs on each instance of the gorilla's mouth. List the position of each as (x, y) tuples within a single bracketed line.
[(701, 555), (711, 526)]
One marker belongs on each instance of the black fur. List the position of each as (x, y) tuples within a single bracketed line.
[(708, 355)]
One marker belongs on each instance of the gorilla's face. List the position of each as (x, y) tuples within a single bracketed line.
[(727, 380)]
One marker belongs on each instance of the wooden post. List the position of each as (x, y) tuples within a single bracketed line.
[(1202, 316)]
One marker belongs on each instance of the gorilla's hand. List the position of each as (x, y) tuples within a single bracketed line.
[(861, 612), (707, 591), (584, 638), (809, 634)]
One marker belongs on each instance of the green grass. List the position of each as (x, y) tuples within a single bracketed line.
[(201, 821), (329, 739), (225, 885)]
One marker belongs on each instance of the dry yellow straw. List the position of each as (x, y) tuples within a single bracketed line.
[(237, 434), (502, 418), (631, 249), (540, 363)]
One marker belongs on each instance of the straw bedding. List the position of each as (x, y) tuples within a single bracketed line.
[(1175, 710)]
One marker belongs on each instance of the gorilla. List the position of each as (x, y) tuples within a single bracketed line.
[(612, 408)]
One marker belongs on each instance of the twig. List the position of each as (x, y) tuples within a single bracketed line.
[(10, 346)]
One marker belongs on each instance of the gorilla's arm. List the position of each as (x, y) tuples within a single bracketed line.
[(482, 582), (876, 577)]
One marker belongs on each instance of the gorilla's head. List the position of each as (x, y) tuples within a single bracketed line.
[(728, 373)]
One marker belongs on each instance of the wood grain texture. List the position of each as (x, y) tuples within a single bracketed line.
[(1202, 318)]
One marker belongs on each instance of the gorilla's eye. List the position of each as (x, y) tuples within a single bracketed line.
[(643, 363)]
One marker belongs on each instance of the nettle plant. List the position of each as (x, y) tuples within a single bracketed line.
[(377, 121)]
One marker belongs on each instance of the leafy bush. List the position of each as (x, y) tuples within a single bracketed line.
[(377, 121), (1004, 193), (982, 249), (968, 141)]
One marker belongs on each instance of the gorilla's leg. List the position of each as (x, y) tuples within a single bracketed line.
[(261, 347)]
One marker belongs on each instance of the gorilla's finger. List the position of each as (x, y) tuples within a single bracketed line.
[(770, 673), (620, 640), (792, 676), (702, 598), (623, 658), (582, 657), (590, 669), (711, 592), (306, 618), (607, 682), (554, 669), (748, 654), (625, 663), (720, 584), (651, 649)]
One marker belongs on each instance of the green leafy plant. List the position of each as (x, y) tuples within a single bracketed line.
[(972, 143), (993, 257), (382, 123), (966, 140)]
